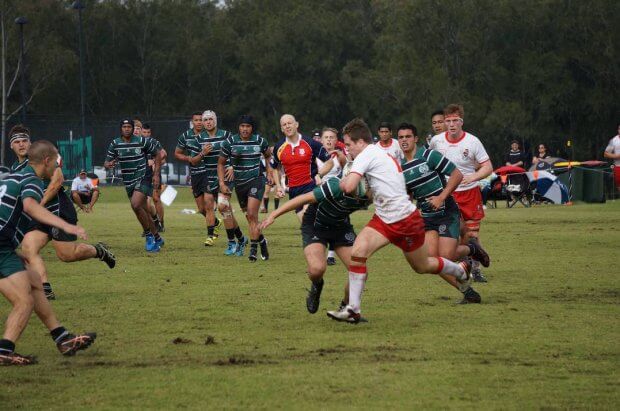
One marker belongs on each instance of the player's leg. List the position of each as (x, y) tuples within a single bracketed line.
[(251, 214), (152, 211), (367, 242), (421, 263), (31, 246), (315, 259), (344, 254), (230, 225), (159, 207), (138, 205), (16, 289), (212, 221)]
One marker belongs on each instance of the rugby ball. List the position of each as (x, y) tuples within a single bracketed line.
[(362, 187)]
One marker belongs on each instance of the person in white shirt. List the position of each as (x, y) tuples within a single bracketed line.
[(396, 219), (387, 143), (612, 151), (472, 160), (84, 192)]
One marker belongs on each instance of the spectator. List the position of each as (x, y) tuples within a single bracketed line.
[(515, 155), (612, 152), (84, 192), (542, 153)]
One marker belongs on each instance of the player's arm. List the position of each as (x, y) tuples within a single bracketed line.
[(111, 157), (221, 172), (53, 187), (290, 205), (485, 170), (39, 213), (453, 182), (327, 166), (350, 182)]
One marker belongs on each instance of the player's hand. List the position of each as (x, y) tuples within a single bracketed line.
[(266, 222), (280, 192), (468, 179), (206, 149), (150, 163), (110, 164), (229, 175), (76, 230), (224, 189), (436, 202), (87, 208)]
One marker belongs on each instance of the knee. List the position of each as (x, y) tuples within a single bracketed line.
[(316, 268), (66, 256), (136, 206), (29, 250)]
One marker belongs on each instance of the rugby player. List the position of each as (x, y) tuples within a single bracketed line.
[(155, 206), (467, 152), (425, 173), (131, 152), (330, 225), (20, 195), (38, 235), (387, 143), (193, 147), (396, 219), (218, 137), (244, 151)]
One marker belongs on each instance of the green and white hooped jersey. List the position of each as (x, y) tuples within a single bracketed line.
[(244, 156), (17, 166), (14, 222), (211, 159), (425, 176), (334, 206), (132, 156), (192, 144)]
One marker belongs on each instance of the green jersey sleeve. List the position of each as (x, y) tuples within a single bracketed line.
[(111, 154), (32, 187), (225, 150), (439, 163)]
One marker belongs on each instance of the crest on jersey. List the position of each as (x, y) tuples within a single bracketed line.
[(256, 149), (302, 151), (466, 153), (424, 168)]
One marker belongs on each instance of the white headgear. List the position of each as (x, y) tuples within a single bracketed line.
[(210, 114)]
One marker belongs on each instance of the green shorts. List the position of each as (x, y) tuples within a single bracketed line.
[(447, 224), (145, 186), (254, 188), (10, 263)]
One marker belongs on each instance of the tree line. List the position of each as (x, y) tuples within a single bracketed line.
[(535, 70)]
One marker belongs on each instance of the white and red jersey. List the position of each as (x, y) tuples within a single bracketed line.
[(393, 149), (467, 153), (336, 169), (386, 180)]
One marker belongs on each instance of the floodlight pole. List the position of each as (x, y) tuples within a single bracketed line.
[(22, 67)]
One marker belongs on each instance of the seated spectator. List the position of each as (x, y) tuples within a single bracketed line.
[(84, 192), (515, 155), (542, 153)]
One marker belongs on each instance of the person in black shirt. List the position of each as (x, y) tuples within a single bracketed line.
[(515, 155)]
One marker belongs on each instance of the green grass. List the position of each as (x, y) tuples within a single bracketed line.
[(546, 335)]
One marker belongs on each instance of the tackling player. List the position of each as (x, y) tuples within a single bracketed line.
[(472, 160), (244, 151), (131, 152), (20, 195), (396, 219)]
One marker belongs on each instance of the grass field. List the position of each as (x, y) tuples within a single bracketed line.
[(546, 336)]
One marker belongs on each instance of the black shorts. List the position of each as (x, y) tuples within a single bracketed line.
[(337, 237), (299, 190), (254, 188), (447, 224), (202, 184), (66, 212), (145, 186)]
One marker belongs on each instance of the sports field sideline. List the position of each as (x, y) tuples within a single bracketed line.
[(189, 327)]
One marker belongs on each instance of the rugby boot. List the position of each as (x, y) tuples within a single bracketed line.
[(264, 252), (476, 274), (50, 295), (151, 245), (241, 247), (16, 359), (216, 228), (210, 241), (253, 254), (160, 243), (345, 315), (331, 260), (479, 254), (314, 296), (470, 296), (70, 344), (105, 255), (231, 249)]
